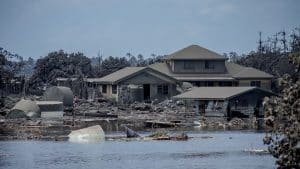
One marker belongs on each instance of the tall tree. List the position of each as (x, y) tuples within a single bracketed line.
[(283, 119), (10, 65), (112, 64), (59, 64)]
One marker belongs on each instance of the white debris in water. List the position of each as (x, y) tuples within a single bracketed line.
[(91, 134)]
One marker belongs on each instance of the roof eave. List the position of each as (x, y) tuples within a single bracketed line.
[(196, 59), (200, 99)]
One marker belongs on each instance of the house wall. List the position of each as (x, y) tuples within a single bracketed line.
[(213, 83), (147, 78), (218, 66), (151, 78), (264, 83), (249, 100), (109, 94), (155, 95)]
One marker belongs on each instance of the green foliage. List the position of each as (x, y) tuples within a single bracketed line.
[(112, 64), (59, 64), (272, 54), (10, 64), (283, 119)]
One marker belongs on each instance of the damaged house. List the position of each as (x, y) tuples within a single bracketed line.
[(226, 101), (136, 84), (194, 64)]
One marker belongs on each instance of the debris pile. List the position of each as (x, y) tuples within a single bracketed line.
[(237, 123), (8, 103), (91, 134), (163, 135)]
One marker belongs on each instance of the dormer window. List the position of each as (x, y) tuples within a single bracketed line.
[(188, 65)]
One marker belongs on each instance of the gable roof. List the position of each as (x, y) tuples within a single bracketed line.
[(119, 75), (216, 93), (126, 73), (195, 52)]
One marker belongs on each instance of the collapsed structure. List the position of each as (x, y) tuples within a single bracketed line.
[(24, 109), (226, 101), (56, 100), (60, 93)]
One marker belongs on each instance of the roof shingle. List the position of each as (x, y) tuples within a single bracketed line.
[(195, 52), (119, 75), (215, 93)]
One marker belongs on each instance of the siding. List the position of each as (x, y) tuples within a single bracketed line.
[(199, 66), (109, 93), (265, 84)]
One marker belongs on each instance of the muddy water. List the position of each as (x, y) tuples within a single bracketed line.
[(223, 150)]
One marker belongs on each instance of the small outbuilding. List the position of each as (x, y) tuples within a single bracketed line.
[(226, 101), (25, 109), (51, 109), (59, 93)]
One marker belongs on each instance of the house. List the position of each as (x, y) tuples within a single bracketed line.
[(226, 101), (136, 84), (194, 64), (203, 67)]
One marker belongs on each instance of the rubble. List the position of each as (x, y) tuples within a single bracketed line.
[(87, 135), (130, 133), (163, 135), (112, 116), (24, 109), (237, 123)]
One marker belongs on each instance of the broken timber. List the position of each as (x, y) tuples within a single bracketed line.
[(160, 124)]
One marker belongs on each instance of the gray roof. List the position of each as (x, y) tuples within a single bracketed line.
[(239, 72), (119, 75), (48, 102), (66, 79), (215, 93), (233, 71), (195, 52), (126, 73)]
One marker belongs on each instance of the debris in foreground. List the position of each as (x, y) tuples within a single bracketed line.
[(130, 133), (91, 134)]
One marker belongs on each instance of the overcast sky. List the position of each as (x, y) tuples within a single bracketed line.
[(37, 27)]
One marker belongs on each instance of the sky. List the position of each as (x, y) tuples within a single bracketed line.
[(33, 28)]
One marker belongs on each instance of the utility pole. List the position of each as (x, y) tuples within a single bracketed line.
[(275, 41), (24, 86), (260, 44), (100, 57), (283, 40)]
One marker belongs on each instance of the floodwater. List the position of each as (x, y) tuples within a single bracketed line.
[(224, 150)]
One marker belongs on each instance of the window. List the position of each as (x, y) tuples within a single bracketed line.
[(188, 65), (208, 64), (163, 89), (225, 83), (104, 88), (114, 89), (210, 83), (255, 83)]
